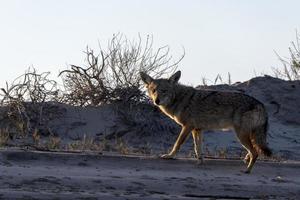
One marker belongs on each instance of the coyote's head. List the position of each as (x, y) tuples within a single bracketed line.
[(161, 91)]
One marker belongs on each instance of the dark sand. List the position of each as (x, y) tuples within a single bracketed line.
[(44, 175)]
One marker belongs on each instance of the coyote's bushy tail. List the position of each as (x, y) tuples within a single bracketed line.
[(259, 133)]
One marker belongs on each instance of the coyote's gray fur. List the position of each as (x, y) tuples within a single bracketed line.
[(199, 110)]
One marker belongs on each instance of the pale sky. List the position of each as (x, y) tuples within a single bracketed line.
[(218, 36)]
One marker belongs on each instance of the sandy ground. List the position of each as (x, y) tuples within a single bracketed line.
[(44, 175)]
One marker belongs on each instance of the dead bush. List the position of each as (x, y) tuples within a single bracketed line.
[(26, 102), (113, 74), (291, 65)]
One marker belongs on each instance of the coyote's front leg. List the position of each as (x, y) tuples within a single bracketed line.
[(180, 140)]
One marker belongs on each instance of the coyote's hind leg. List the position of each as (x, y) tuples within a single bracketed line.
[(198, 140), (247, 158), (252, 155)]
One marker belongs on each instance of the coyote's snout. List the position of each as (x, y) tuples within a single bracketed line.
[(199, 110)]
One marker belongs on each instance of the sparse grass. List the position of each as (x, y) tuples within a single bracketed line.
[(207, 151), (218, 80), (191, 154), (106, 145), (36, 137), (4, 137), (222, 153), (53, 142), (87, 143), (146, 149), (21, 128), (143, 150), (122, 147)]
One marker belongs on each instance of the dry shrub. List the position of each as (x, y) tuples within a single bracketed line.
[(25, 102), (113, 74), (291, 65)]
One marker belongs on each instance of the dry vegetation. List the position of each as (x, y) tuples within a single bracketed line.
[(113, 74), (85, 144), (26, 103), (110, 76), (291, 65)]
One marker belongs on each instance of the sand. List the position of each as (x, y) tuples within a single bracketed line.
[(49, 175)]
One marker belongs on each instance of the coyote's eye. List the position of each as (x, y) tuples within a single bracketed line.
[(154, 90)]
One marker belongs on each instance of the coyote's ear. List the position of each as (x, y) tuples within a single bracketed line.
[(175, 77), (146, 78)]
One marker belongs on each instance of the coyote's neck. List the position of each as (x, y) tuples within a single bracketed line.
[(182, 99)]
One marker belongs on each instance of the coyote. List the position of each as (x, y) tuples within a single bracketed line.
[(199, 110)]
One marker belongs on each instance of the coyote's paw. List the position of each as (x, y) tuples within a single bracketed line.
[(247, 171), (167, 156)]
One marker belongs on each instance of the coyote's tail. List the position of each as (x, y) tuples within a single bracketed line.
[(259, 133)]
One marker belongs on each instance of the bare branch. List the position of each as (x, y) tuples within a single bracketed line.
[(24, 100), (291, 66), (113, 75)]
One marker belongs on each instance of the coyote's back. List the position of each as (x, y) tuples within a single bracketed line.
[(199, 110)]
